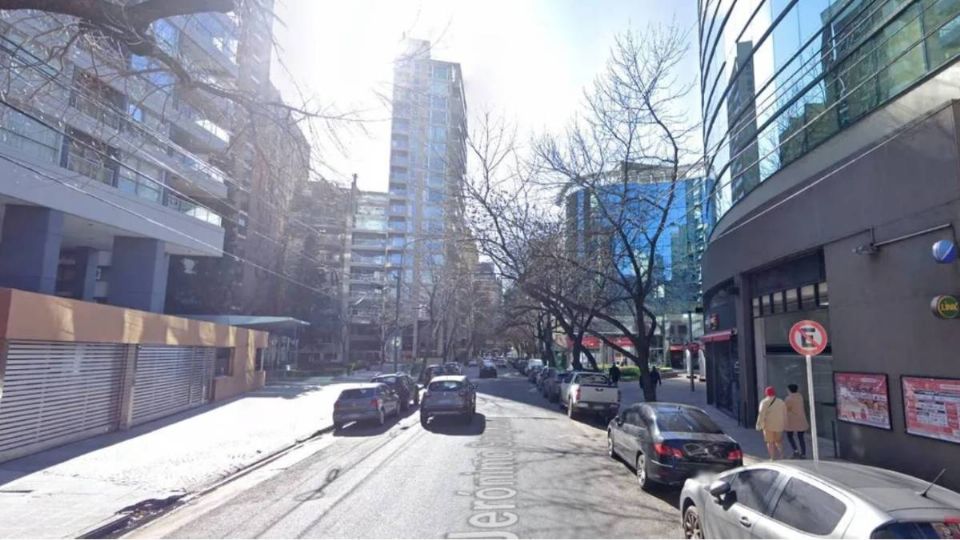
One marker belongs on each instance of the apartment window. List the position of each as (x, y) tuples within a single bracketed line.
[(167, 35), (90, 157), (224, 366), (438, 103), (435, 195), (441, 72), (140, 178), (438, 133), (31, 137), (396, 258), (96, 99)]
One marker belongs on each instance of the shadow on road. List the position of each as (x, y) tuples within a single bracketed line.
[(454, 425)]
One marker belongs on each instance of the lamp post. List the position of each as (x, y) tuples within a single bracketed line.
[(396, 325)]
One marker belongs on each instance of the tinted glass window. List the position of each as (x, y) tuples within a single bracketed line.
[(686, 420), (917, 529), (593, 379), (358, 393), (752, 487), (632, 417), (445, 386), (808, 509), (386, 380)]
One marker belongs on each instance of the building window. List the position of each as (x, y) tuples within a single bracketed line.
[(793, 300), (808, 296), (224, 366), (756, 307), (823, 295), (91, 157)]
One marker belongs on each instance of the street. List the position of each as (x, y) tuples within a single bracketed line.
[(520, 468)]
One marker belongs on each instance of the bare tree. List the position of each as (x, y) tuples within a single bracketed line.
[(625, 157)]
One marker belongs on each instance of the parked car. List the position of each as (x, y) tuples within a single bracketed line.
[(372, 401), (805, 499), (542, 377), (431, 371), (533, 363), (501, 362), (551, 386), (449, 395), (452, 368), (488, 370), (667, 443), (591, 392), (403, 385), (532, 373)]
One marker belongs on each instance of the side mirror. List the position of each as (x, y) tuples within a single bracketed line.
[(618, 419), (719, 488)]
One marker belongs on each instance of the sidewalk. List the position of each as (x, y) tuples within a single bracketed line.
[(66, 491), (677, 390)]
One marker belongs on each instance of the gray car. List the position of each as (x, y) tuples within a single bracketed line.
[(449, 395), (374, 401), (804, 499)]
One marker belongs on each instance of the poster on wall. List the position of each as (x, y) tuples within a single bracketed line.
[(862, 398), (932, 407)]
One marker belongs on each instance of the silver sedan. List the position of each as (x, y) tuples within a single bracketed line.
[(830, 499)]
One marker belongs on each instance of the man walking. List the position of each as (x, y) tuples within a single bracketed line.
[(796, 421), (615, 374), (655, 376), (771, 421)]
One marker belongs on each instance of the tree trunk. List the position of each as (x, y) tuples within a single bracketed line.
[(591, 359)]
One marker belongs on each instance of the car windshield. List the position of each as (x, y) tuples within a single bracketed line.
[(593, 379), (685, 420), (386, 380), (445, 386), (358, 393)]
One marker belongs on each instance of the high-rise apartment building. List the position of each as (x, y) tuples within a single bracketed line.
[(427, 167), (366, 298), (830, 128)]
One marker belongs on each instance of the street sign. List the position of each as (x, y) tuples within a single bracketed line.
[(945, 306), (944, 251), (808, 338)]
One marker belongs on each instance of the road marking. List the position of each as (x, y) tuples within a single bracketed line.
[(495, 478)]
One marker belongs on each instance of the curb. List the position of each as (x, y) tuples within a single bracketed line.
[(144, 512)]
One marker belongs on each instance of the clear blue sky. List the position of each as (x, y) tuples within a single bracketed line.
[(527, 60)]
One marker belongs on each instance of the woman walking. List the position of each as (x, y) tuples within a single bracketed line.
[(796, 421), (771, 420)]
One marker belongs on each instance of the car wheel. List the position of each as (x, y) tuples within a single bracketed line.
[(691, 523), (643, 478)]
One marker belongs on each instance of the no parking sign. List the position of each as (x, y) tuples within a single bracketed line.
[(809, 338)]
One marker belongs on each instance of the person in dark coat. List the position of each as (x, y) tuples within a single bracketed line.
[(655, 376), (615, 374)]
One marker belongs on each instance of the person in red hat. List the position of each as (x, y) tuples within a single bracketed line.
[(771, 421)]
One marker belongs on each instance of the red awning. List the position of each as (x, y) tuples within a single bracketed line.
[(722, 335)]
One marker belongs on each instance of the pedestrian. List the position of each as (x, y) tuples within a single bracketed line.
[(796, 421), (615, 374), (771, 421), (655, 376)]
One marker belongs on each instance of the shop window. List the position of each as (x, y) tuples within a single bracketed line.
[(823, 295), (776, 302), (224, 367), (808, 296), (793, 300)]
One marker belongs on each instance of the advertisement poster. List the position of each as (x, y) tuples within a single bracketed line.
[(932, 407), (862, 398)]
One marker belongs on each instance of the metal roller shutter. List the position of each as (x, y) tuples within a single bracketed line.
[(54, 393), (169, 380)]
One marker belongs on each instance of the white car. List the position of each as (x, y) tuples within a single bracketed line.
[(590, 392), (533, 363)]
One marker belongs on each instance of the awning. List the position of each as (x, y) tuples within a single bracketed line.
[(275, 325), (722, 335)]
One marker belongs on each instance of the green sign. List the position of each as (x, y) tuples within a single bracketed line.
[(945, 306)]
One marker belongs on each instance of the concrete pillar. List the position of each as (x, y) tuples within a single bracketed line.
[(138, 273), (30, 250)]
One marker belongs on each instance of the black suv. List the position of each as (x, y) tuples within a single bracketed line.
[(403, 385)]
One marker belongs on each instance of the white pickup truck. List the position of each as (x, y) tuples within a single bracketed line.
[(590, 392)]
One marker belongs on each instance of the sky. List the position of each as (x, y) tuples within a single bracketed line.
[(525, 60)]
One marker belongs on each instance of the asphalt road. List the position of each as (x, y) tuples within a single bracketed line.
[(520, 469)]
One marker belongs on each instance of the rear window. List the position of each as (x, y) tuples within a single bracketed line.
[(386, 380), (808, 509), (445, 386), (686, 421), (918, 529), (593, 379), (358, 393)]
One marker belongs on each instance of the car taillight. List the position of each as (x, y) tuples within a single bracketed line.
[(735, 455), (664, 450)]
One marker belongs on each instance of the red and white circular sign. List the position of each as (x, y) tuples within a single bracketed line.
[(808, 338)]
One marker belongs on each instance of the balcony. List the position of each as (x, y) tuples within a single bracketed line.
[(367, 260)]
